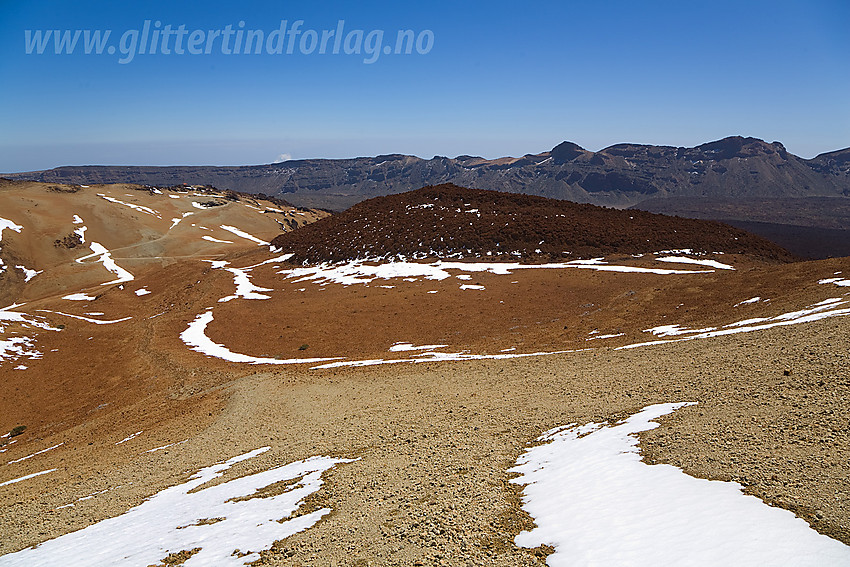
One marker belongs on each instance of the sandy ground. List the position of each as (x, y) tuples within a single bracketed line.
[(435, 440)]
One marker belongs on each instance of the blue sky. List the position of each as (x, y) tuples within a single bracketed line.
[(500, 79)]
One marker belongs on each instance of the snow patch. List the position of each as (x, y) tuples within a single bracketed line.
[(105, 257), (173, 520), (836, 281), (244, 288), (686, 260), (244, 235), (29, 274), (401, 347), (211, 239), (195, 337), (19, 479), (597, 503), (79, 297), (4, 224), (140, 208), (821, 310)]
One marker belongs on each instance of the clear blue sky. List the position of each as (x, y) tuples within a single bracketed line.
[(500, 79)]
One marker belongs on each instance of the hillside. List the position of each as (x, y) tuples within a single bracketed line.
[(63, 237), (620, 175), (451, 221)]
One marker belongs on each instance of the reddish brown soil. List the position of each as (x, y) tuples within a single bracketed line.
[(446, 220)]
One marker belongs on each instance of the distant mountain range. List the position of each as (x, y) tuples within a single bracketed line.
[(621, 176)]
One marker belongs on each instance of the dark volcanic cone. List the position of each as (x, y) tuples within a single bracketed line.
[(451, 221)]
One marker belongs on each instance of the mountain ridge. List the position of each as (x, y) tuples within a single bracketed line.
[(620, 175)]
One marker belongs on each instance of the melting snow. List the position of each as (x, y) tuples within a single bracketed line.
[(34, 454), (437, 357), (358, 272), (140, 208), (400, 347), (748, 301), (4, 224), (244, 235), (596, 501), (13, 348), (822, 310), (105, 257), (195, 336), (244, 288), (686, 260), (673, 330), (211, 239), (837, 281), (604, 336), (80, 317), (172, 520), (79, 297), (28, 274), (129, 437), (19, 479)]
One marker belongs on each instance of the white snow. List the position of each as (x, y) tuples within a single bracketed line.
[(19, 479), (438, 357), (755, 299), (79, 297), (401, 347), (170, 521), (105, 257), (597, 503), (604, 336), (673, 330), (161, 447), (174, 196), (471, 286), (359, 272), (244, 235), (195, 337), (17, 347), (244, 288), (86, 319), (28, 274), (34, 454), (211, 239), (686, 260), (822, 310), (81, 232), (837, 281), (14, 348), (142, 291), (140, 208), (4, 224), (129, 437), (77, 219)]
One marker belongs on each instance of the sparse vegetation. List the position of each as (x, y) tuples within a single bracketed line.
[(304, 347), (17, 430)]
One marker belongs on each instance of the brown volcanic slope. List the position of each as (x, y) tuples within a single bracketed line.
[(447, 220)]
